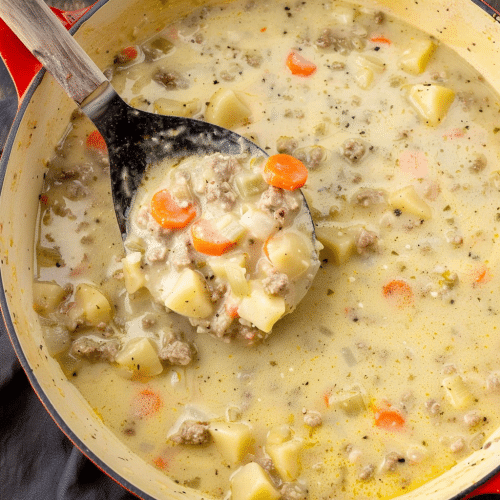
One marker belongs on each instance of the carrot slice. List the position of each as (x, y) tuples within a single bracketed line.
[(95, 141), (231, 308), (388, 419), (481, 275), (285, 172), (168, 213), (160, 463), (399, 291), (207, 240), (380, 39), (126, 55), (299, 65), (146, 403)]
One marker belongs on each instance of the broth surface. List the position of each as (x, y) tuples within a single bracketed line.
[(387, 373)]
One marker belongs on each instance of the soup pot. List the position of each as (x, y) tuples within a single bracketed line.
[(43, 114)]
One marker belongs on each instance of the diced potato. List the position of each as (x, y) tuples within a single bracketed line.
[(407, 200), (350, 402), (57, 339), (258, 223), (457, 391), (94, 306), (227, 110), (261, 309), (431, 102), (166, 106), (47, 296), (290, 253), (285, 457), (140, 356), (250, 184), (139, 102), (232, 269), (251, 482), (190, 296), (339, 241), (233, 440), (414, 59), (279, 434), (373, 63), (132, 272), (364, 78)]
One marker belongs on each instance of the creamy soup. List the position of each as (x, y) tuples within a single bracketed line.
[(387, 373)]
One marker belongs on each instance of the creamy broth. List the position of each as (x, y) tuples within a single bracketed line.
[(387, 373)]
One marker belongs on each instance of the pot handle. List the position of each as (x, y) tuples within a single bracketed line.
[(21, 64), (487, 491)]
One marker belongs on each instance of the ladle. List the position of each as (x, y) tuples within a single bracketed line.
[(135, 139)]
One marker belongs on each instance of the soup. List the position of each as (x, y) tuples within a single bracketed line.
[(387, 373)]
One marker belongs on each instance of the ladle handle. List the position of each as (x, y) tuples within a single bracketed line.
[(45, 37)]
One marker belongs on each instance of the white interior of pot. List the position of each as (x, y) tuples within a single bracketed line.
[(460, 24)]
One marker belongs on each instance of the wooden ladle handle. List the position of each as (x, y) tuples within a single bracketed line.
[(47, 39)]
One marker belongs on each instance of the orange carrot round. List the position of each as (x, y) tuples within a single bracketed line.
[(146, 403), (285, 172), (388, 418), (207, 240), (481, 276), (300, 66), (168, 213), (399, 291), (126, 55), (160, 463), (95, 141)]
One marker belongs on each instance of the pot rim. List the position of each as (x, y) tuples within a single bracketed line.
[(11, 331)]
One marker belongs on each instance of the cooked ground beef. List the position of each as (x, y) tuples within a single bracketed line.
[(353, 150), (94, 350), (192, 432), (177, 353), (276, 284), (171, 80)]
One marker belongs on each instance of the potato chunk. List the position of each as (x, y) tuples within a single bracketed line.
[(232, 269), (233, 440), (251, 482), (94, 306), (261, 309), (47, 296), (414, 59), (431, 102), (165, 106), (284, 451), (140, 356), (190, 296), (340, 242), (132, 272), (364, 78), (407, 200), (227, 110), (290, 253)]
